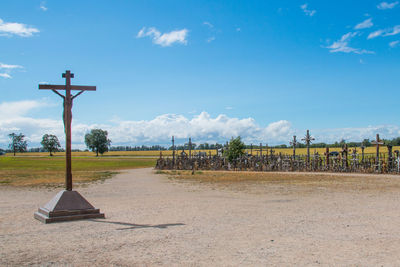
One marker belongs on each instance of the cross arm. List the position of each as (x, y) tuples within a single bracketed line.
[(62, 87)]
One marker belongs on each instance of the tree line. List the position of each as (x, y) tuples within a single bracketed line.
[(97, 141)]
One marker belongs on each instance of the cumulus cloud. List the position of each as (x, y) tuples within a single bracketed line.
[(165, 39), (342, 45), (356, 134), (15, 117), (365, 24), (386, 5), (308, 11), (13, 28)]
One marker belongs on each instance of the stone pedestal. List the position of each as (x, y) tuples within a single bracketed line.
[(67, 206)]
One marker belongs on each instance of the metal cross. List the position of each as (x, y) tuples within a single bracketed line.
[(67, 115)]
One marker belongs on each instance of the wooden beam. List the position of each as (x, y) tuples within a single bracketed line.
[(62, 87)]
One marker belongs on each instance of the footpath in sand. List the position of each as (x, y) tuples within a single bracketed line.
[(153, 220)]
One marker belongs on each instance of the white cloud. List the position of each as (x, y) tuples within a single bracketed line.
[(394, 44), (15, 117), (386, 5), (342, 45), (307, 11), (365, 24), (43, 6), (165, 39), (7, 68), (5, 75), (212, 38), (395, 30), (208, 24), (238, 29), (375, 34), (356, 134), (385, 32), (10, 28)]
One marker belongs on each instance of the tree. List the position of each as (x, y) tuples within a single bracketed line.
[(235, 149), (97, 141), (50, 143), (18, 144)]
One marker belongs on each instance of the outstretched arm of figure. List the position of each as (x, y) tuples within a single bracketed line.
[(77, 94), (55, 91)]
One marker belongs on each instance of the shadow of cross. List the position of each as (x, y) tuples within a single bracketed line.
[(137, 226)]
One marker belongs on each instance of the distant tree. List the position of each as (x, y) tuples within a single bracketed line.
[(18, 144), (235, 149), (50, 143), (97, 141), (366, 142)]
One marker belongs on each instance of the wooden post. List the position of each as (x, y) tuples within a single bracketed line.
[(308, 140), (327, 157), (173, 152), (377, 142), (294, 144), (190, 148)]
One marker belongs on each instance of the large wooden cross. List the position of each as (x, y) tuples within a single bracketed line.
[(67, 116)]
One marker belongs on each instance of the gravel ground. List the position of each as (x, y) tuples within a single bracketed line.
[(153, 220)]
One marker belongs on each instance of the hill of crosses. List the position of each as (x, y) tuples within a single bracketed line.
[(347, 160)]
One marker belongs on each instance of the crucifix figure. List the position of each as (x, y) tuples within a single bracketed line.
[(377, 142), (294, 144), (68, 99), (308, 139), (67, 205)]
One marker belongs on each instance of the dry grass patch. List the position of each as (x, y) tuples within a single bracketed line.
[(311, 181)]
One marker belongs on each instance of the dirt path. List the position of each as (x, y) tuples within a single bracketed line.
[(152, 220)]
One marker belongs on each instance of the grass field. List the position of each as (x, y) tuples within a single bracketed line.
[(50, 171), (287, 151)]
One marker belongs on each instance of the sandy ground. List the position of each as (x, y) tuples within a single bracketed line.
[(153, 220)]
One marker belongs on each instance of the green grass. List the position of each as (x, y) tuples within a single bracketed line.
[(50, 171)]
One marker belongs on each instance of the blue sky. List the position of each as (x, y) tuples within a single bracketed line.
[(264, 70)]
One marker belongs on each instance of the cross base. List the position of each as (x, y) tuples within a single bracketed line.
[(67, 206)]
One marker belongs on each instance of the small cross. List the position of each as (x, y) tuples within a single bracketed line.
[(377, 142), (294, 144)]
